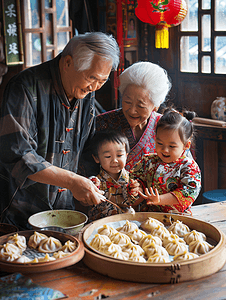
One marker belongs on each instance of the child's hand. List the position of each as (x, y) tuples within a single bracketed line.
[(152, 197), (135, 187), (95, 180)]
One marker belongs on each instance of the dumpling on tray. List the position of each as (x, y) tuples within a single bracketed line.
[(161, 232), (153, 249), (128, 227), (136, 235), (35, 239), (179, 228), (18, 240), (9, 252), (200, 247), (99, 241), (131, 248), (49, 245), (150, 224), (185, 256), (69, 246), (148, 239), (172, 237), (137, 258), (176, 247), (107, 230), (22, 260), (158, 258), (194, 235), (120, 238)]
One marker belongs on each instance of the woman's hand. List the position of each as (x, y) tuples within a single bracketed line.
[(152, 197)]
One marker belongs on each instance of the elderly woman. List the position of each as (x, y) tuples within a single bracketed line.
[(144, 87)]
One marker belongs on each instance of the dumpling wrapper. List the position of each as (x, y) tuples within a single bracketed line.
[(179, 228), (49, 245), (9, 252), (150, 224), (175, 247), (35, 239), (18, 240)]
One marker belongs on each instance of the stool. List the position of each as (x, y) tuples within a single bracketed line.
[(214, 196)]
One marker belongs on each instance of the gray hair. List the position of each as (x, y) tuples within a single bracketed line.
[(83, 47), (149, 76)]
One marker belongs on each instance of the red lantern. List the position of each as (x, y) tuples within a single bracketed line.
[(163, 14)]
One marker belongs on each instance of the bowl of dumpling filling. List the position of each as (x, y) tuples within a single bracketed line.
[(69, 220)]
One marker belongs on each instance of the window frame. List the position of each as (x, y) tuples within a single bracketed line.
[(201, 54), (41, 30)]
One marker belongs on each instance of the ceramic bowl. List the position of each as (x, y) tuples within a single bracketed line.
[(71, 221)]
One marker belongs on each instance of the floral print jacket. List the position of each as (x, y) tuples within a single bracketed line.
[(182, 178)]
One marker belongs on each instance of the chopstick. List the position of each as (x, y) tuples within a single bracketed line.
[(111, 203)]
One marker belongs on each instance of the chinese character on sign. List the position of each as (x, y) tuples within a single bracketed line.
[(11, 12), (13, 48), (12, 29)]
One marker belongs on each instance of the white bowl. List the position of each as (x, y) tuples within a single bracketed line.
[(70, 220)]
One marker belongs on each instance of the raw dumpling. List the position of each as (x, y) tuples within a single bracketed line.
[(194, 236), (110, 248), (22, 260), (9, 252), (150, 224), (172, 237), (35, 239), (60, 254), (185, 256), (120, 255), (152, 249), (179, 228), (136, 235), (46, 258), (137, 258), (175, 247), (157, 258), (120, 238), (69, 246), (148, 239), (99, 241), (200, 247), (49, 245), (107, 230), (128, 227), (18, 240), (161, 232), (131, 248)]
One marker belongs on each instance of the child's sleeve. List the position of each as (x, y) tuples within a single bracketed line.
[(190, 186)]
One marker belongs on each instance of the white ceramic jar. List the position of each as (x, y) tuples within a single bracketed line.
[(218, 109)]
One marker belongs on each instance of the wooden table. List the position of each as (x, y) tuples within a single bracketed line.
[(78, 282)]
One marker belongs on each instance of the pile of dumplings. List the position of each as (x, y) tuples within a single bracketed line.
[(153, 243), (15, 247)]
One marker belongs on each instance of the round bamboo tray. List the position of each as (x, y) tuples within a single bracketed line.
[(69, 260), (172, 272)]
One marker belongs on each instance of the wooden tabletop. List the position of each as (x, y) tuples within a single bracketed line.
[(78, 282)]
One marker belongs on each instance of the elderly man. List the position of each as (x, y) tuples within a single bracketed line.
[(47, 115)]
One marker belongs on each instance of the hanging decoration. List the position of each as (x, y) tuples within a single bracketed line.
[(162, 14)]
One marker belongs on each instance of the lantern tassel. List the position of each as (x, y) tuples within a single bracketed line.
[(161, 36)]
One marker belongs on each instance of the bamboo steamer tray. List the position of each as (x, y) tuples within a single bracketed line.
[(173, 272), (69, 260)]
